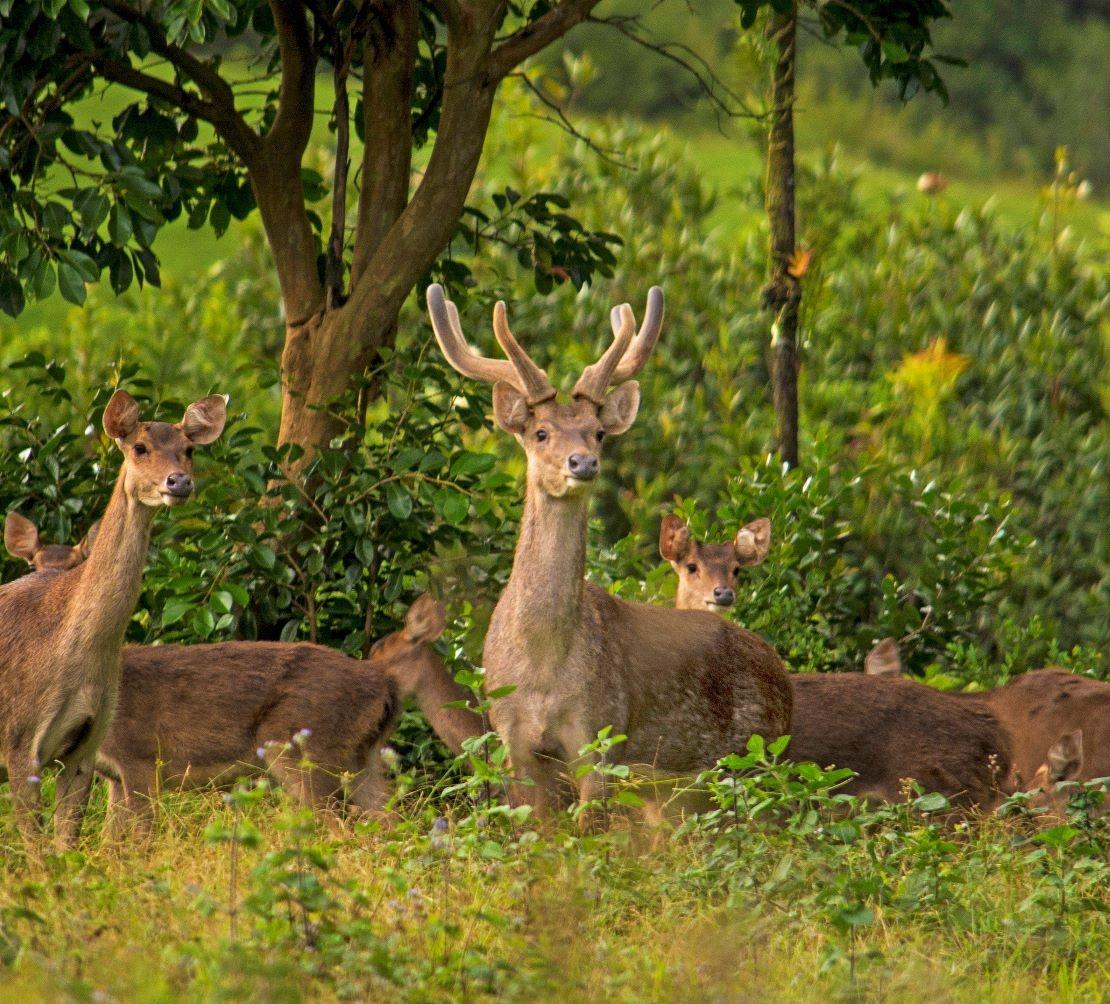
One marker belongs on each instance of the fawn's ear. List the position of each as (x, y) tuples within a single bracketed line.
[(21, 537), (619, 410), (86, 545), (752, 542), (884, 659), (674, 538), (204, 419), (425, 620), (121, 417), (510, 408), (1065, 757)]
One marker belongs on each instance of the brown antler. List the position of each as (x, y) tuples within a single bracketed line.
[(518, 370), (594, 379), (633, 360)]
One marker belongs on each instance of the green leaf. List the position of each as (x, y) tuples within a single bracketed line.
[(454, 506), (398, 500), (70, 284), (175, 610), (894, 52)]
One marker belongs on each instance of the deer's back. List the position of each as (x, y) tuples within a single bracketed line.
[(1037, 708), (209, 705), (887, 729)]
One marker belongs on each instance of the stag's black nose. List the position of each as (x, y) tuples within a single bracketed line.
[(723, 596), (180, 485), (583, 466)]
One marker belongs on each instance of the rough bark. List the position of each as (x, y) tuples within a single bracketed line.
[(782, 294)]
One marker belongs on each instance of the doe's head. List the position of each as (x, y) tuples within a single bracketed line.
[(562, 442), (707, 573), (21, 537), (406, 655), (1063, 763), (158, 456)]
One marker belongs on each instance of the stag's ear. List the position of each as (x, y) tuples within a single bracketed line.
[(674, 538), (619, 410), (21, 537), (1065, 757), (204, 419), (752, 542), (510, 408), (884, 659), (425, 620), (86, 545), (121, 417)]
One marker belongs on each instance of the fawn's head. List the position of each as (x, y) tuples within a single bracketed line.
[(707, 573), (406, 654), (562, 441), (1063, 763), (21, 537), (158, 456), (884, 659)]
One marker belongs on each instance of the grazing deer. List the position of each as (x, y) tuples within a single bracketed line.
[(685, 687), (21, 537), (312, 717), (885, 730), (61, 633)]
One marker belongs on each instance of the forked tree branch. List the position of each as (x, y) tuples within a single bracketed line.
[(292, 124), (537, 35)]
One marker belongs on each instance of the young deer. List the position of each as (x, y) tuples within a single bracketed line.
[(884, 730), (61, 633), (1040, 710), (21, 537), (189, 715), (685, 687)]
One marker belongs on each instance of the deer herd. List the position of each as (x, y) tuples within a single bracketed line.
[(685, 685)]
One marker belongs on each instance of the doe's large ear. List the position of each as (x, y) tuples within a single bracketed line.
[(510, 408), (425, 620), (204, 419), (884, 659), (674, 538), (752, 542), (121, 417), (86, 545), (21, 537), (619, 410), (1065, 757)]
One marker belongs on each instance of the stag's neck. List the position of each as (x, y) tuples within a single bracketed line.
[(546, 586), (110, 579)]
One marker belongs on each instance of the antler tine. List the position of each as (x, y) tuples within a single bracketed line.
[(594, 379), (638, 352), (448, 332), (537, 388)]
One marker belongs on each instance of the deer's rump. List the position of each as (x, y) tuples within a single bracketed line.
[(208, 709), (888, 729)]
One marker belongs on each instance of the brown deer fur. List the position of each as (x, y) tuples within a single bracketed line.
[(886, 729), (61, 633), (685, 687), (193, 714)]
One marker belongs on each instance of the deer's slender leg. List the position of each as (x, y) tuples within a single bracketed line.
[(72, 787), (24, 785)]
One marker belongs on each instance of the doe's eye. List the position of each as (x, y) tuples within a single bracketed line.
[(189, 452), (139, 450), (691, 569), (736, 570), (600, 435), (541, 435)]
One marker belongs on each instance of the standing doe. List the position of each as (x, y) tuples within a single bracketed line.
[(312, 717), (61, 633), (685, 687)]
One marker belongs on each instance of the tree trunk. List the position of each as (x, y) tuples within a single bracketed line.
[(782, 293)]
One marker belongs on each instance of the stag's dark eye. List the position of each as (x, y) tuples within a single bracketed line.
[(140, 450), (691, 569), (541, 435)]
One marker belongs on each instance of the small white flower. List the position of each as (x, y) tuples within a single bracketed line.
[(261, 752)]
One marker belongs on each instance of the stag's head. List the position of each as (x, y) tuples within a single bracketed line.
[(158, 456), (562, 440), (707, 573)]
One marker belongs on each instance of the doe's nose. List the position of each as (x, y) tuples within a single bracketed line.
[(583, 466), (723, 596), (179, 484)]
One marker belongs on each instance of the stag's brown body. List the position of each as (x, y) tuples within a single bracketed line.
[(61, 633), (685, 688), (190, 715)]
